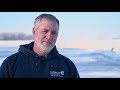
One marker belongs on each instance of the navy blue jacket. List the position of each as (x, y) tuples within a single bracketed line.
[(27, 64)]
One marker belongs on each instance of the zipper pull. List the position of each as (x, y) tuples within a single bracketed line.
[(36, 61)]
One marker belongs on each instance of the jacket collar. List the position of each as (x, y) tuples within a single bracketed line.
[(27, 49)]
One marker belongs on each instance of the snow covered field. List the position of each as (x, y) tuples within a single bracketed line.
[(90, 63)]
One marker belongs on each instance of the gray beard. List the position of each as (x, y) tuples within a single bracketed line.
[(45, 50)]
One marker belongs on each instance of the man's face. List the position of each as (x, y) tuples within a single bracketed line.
[(45, 35)]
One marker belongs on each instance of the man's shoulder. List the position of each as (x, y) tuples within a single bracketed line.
[(12, 57), (66, 59), (71, 65)]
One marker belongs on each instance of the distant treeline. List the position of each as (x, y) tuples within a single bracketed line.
[(15, 36)]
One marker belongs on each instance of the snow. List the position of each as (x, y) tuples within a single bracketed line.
[(90, 63)]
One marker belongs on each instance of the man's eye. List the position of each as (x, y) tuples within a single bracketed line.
[(45, 31), (54, 32)]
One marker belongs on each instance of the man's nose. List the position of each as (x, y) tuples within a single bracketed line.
[(49, 35)]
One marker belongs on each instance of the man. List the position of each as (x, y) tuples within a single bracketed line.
[(40, 59)]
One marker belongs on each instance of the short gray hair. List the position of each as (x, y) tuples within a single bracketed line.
[(46, 16)]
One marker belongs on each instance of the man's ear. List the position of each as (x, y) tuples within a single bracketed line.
[(33, 31)]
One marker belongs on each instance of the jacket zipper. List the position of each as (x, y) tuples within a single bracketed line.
[(37, 59)]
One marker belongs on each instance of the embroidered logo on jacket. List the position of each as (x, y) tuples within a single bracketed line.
[(57, 74)]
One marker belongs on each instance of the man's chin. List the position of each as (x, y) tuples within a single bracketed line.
[(47, 49)]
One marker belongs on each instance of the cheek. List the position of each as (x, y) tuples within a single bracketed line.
[(54, 39), (37, 38), (37, 35)]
